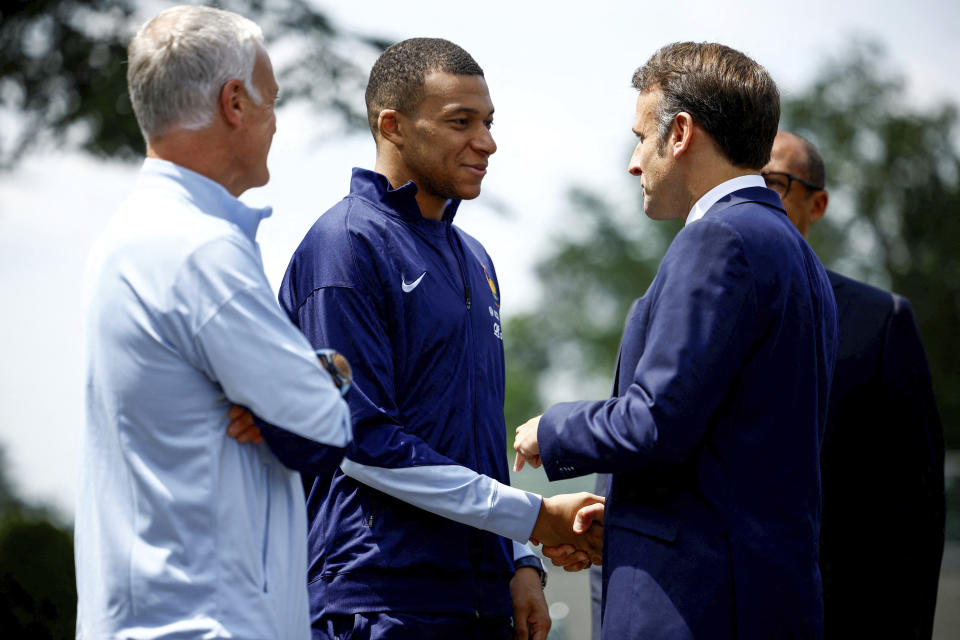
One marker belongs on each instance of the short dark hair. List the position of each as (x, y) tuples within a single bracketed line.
[(397, 77), (726, 92), (813, 168)]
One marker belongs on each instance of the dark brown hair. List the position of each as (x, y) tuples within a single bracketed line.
[(727, 93)]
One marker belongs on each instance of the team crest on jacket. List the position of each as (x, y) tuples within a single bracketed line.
[(493, 286)]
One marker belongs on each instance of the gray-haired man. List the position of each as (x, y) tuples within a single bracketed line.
[(182, 531)]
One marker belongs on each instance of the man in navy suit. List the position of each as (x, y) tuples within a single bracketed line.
[(713, 431), (882, 525)]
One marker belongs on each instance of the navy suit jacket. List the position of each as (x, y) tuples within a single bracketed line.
[(713, 435), (882, 473)]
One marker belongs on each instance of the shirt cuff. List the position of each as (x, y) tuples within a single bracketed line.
[(514, 513)]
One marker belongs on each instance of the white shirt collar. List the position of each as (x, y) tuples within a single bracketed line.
[(711, 197)]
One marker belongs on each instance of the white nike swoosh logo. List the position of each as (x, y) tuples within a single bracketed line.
[(408, 287)]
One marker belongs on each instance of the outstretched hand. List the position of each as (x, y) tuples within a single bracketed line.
[(525, 444), (567, 519)]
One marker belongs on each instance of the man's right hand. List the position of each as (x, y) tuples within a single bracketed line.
[(242, 428), (566, 519)]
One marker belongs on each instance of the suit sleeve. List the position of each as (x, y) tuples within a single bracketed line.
[(703, 312), (385, 454), (906, 376), (916, 511)]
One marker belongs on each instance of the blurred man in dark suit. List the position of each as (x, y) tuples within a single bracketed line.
[(882, 525)]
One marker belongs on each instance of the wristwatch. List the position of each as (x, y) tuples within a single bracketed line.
[(534, 563), (338, 367)]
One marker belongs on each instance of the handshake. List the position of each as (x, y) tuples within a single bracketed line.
[(570, 526)]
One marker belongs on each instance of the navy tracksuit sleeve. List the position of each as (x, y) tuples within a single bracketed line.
[(387, 455), (298, 453), (701, 309)]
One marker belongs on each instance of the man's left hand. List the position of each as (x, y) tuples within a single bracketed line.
[(531, 617), (525, 444), (242, 428)]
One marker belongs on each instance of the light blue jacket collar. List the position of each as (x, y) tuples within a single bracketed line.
[(210, 197)]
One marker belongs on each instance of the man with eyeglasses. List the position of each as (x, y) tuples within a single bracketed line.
[(882, 524), (804, 199)]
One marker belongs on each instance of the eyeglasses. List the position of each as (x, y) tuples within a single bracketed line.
[(780, 182), (338, 367)]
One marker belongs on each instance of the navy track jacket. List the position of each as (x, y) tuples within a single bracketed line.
[(413, 303)]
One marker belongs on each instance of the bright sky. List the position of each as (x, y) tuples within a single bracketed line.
[(559, 74)]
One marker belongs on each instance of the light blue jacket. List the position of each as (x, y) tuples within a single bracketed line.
[(181, 531)]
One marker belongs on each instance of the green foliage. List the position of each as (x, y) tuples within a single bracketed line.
[(604, 260), (37, 588), (893, 172), (63, 69), (38, 595)]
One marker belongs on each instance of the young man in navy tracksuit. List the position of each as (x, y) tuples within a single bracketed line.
[(419, 534)]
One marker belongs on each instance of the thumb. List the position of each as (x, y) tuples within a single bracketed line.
[(521, 627), (586, 516)]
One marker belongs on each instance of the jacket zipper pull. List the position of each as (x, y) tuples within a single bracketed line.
[(467, 287)]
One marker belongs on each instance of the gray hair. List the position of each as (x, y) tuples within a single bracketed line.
[(180, 60)]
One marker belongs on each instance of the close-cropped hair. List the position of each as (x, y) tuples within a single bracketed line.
[(179, 61), (398, 75), (813, 168), (726, 92)]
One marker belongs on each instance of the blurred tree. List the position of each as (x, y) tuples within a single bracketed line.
[(893, 171), (894, 220), (604, 260), (63, 69), (38, 596)]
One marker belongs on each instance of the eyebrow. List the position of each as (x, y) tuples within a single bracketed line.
[(464, 109)]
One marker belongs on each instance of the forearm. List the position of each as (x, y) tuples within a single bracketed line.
[(457, 493)]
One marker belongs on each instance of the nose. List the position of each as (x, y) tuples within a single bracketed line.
[(484, 142), (633, 167)]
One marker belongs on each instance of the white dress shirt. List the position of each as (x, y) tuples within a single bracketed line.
[(727, 187)]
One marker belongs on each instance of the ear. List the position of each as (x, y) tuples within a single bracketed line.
[(388, 126), (231, 102), (818, 205), (681, 133)]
